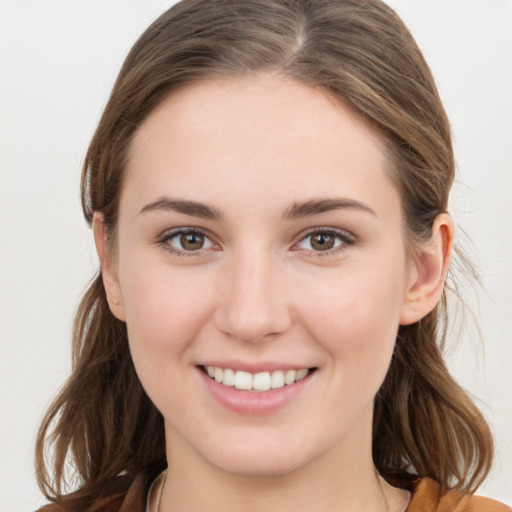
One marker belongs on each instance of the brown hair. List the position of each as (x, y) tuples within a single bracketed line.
[(360, 52)]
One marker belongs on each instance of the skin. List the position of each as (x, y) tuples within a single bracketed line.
[(258, 291)]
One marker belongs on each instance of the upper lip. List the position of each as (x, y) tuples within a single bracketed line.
[(255, 367)]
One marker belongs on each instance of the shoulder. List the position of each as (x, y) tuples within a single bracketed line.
[(427, 497)]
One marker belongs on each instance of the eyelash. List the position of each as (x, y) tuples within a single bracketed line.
[(346, 239), (164, 241)]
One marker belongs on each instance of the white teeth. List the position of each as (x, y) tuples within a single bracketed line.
[(229, 377), (277, 379), (301, 374), (262, 381), (243, 380), (289, 377)]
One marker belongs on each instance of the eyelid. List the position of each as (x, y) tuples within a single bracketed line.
[(169, 234), (347, 239)]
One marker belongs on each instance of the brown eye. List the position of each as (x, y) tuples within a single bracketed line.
[(192, 241), (325, 240), (322, 241), (186, 241)]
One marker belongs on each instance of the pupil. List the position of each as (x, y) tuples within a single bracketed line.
[(323, 242), (192, 241)]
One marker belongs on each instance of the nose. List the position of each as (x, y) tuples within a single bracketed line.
[(253, 303)]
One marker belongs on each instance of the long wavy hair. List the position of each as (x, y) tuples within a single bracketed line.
[(102, 424)]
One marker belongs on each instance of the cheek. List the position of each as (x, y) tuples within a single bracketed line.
[(356, 324), (164, 310), (356, 316)]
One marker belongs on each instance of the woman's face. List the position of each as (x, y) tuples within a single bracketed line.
[(260, 239)]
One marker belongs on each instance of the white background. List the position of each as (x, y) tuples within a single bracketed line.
[(58, 60)]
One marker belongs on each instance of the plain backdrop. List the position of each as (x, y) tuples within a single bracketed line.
[(58, 60)]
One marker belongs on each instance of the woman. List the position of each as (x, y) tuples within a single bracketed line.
[(268, 192)]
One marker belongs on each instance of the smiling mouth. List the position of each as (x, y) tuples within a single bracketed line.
[(262, 381)]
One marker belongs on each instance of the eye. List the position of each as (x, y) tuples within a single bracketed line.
[(325, 240), (186, 240)]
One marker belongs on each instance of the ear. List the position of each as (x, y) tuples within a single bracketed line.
[(108, 268), (428, 272)]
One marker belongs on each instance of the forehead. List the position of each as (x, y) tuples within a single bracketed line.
[(240, 133)]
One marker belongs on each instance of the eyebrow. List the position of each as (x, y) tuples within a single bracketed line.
[(318, 206), (191, 208), (296, 211)]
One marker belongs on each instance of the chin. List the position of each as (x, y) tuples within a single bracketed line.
[(257, 467), (257, 459)]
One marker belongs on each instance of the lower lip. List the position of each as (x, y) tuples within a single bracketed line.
[(254, 403)]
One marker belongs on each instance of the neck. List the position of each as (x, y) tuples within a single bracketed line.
[(341, 479)]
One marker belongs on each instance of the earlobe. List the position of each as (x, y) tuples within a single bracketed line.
[(428, 275), (108, 268)]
